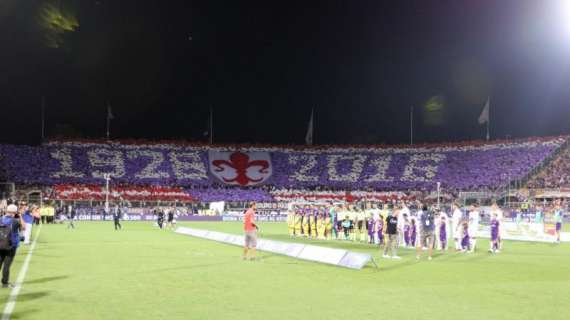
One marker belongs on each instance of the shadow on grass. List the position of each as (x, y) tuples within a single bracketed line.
[(43, 255), (46, 279), (33, 295), (462, 257), (24, 314), (195, 266), (405, 263), (268, 256)]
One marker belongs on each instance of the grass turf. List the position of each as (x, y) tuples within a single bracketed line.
[(143, 273)]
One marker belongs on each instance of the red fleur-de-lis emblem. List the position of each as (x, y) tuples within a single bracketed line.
[(240, 163)]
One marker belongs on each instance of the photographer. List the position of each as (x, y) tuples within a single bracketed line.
[(10, 226)]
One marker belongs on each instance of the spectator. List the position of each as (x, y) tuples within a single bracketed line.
[(427, 227), (392, 235)]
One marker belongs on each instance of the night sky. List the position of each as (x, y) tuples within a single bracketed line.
[(263, 65)]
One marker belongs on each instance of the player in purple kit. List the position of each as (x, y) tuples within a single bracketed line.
[(443, 233), (494, 234), (370, 227), (413, 232), (380, 230), (406, 230), (465, 241)]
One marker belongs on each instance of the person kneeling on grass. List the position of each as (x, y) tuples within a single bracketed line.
[(10, 228), (250, 228)]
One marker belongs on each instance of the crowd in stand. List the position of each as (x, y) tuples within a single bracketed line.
[(555, 175)]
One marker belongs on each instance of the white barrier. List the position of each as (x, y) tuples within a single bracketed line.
[(524, 231), (337, 257)]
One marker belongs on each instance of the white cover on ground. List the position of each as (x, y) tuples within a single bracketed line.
[(337, 257)]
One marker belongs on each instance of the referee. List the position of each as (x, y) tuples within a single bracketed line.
[(250, 229), (117, 218), (71, 217)]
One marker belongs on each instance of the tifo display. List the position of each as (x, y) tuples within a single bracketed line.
[(461, 167)]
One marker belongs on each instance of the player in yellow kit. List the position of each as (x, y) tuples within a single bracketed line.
[(298, 221), (291, 223), (313, 221), (328, 224), (305, 224), (321, 225)]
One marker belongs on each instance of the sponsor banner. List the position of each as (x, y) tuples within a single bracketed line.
[(321, 254), (337, 257), (120, 193), (142, 217), (268, 218), (235, 240), (284, 248), (193, 232), (218, 236), (355, 260)]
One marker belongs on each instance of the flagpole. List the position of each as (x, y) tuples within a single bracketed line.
[(108, 121), (309, 137), (488, 117), (313, 125), (411, 126), (43, 118), (211, 125)]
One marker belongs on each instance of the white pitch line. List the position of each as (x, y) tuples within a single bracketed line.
[(11, 304)]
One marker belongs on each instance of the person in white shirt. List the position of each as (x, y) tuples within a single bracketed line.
[(456, 225), (361, 224), (404, 213), (473, 226), (376, 219), (439, 233)]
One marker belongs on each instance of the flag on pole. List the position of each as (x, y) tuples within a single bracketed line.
[(484, 116), (110, 115), (309, 136)]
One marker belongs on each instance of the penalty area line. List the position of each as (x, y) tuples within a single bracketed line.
[(11, 304)]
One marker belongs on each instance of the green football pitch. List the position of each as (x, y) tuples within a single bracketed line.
[(141, 273)]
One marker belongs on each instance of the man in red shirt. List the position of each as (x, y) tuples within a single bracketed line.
[(250, 229)]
